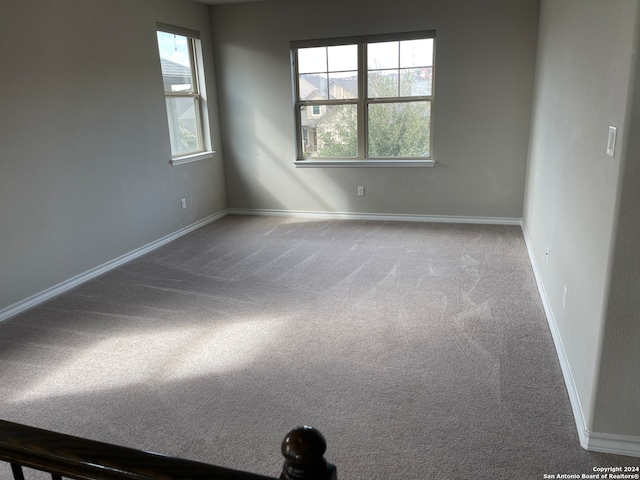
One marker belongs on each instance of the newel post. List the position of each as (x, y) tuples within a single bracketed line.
[(303, 449)]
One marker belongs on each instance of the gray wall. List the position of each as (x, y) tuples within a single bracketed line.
[(584, 76), (618, 396), (483, 87), (85, 174)]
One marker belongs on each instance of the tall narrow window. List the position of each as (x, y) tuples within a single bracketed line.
[(365, 98), (182, 78)]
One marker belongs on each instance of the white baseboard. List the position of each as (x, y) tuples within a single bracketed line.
[(62, 287), (377, 216), (592, 441), (609, 443)]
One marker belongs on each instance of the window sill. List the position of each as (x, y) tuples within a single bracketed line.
[(192, 158), (363, 163)]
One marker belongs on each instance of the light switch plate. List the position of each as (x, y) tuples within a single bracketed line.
[(611, 141)]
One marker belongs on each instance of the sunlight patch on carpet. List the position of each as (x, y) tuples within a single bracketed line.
[(158, 357)]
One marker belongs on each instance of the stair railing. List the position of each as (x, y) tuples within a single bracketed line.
[(67, 456)]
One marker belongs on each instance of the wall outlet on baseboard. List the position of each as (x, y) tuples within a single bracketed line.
[(184, 203), (361, 191), (547, 255)]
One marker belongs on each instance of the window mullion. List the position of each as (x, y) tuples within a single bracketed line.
[(196, 68), (345, 101), (182, 94), (198, 115), (326, 49), (296, 93), (399, 99), (195, 81), (399, 71), (362, 95)]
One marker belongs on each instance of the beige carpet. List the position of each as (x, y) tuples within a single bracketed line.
[(419, 350)]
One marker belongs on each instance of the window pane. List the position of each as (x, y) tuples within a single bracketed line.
[(313, 87), (333, 134), (399, 129), (400, 68), (416, 53), (382, 55), (343, 85), (415, 82), (383, 83), (175, 59), (343, 57), (321, 81), (312, 60), (183, 125)]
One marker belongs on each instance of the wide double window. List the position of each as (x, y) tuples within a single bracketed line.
[(364, 98), (183, 79)]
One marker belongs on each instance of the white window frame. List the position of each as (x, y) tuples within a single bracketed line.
[(362, 103), (197, 94)]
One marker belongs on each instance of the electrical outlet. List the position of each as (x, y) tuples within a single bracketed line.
[(547, 256), (184, 203), (361, 191), (564, 298)]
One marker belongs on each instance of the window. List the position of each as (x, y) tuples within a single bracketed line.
[(183, 80), (375, 94)]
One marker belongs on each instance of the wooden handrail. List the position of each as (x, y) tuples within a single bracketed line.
[(82, 459)]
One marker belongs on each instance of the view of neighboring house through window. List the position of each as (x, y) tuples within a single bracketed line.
[(181, 79), (365, 97)]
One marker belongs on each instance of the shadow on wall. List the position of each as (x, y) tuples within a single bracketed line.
[(260, 144), (270, 179)]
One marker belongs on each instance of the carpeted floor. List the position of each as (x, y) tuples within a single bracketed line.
[(419, 350)]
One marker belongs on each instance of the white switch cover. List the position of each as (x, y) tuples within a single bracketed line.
[(611, 141)]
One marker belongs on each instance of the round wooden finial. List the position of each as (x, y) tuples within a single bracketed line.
[(303, 449), (303, 445)]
